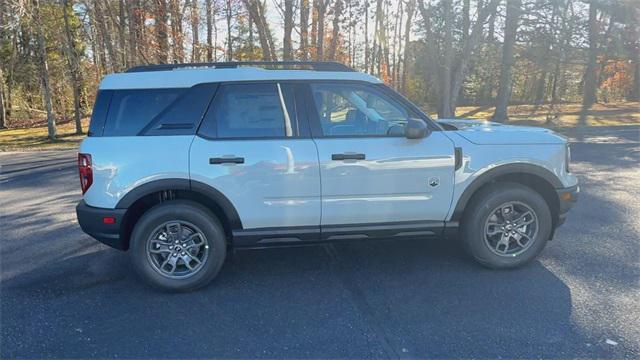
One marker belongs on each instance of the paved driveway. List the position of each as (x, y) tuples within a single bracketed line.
[(65, 295)]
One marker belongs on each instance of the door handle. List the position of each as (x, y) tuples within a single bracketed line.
[(347, 157), (226, 160)]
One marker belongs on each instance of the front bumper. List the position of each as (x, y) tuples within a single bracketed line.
[(91, 220), (567, 198)]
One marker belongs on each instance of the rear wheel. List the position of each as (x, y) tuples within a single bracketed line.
[(506, 225), (178, 246)]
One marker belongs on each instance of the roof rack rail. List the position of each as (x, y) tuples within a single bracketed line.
[(273, 65)]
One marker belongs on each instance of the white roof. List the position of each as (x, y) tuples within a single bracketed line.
[(187, 77)]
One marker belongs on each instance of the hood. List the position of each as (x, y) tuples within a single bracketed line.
[(493, 133)]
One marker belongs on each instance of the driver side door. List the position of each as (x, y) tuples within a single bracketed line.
[(371, 174)]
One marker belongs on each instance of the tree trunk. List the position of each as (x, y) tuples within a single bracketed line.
[(444, 109), (411, 7), (467, 50), (321, 11), (133, 9), (122, 21), (366, 36), (177, 36), (508, 60), (466, 18), (162, 36), (195, 25), (287, 52), (590, 78), (375, 53), (44, 71), (208, 10), (337, 13), (3, 112), (74, 66), (106, 36), (304, 29), (264, 34), (229, 38)]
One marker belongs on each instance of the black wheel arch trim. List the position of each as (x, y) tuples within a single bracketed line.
[(491, 175), (186, 185)]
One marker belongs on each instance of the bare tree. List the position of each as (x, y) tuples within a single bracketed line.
[(209, 11), (74, 66), (337, 13), (590, 76), (287, 52), (304, 29), (133, 8), (195, 25), (510, 30), (44, 70), (3, 112), (228, 14), (256, 9), (411, 7), (467, 50), (162, 36), (177, 36)]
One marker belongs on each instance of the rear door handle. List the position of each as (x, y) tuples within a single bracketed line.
[(226, 160), (339, 157)]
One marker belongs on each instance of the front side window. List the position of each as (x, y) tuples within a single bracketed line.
[(353, 110), (250, 111)]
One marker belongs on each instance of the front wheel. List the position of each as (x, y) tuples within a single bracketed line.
[(178, 245), (506, 225)]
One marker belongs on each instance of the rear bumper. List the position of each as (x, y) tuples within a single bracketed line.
[(91, 221), (567, 197)]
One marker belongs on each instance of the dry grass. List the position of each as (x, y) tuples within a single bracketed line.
[(561, 116), (36, 138)]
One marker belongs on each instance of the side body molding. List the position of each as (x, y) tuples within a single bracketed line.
[(490, 175), (205, 190)]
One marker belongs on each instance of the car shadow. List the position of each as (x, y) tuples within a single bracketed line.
[(412, 298)]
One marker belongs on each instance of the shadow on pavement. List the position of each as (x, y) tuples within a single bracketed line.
[(413, 298)]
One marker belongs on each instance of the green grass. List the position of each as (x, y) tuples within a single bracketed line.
[(562, 116)]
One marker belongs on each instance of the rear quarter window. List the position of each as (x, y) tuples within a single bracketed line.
[(99, 114), (132, 110)]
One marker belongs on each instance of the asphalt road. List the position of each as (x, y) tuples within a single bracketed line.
[(62, 294)]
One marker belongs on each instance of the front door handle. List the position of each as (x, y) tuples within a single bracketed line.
[(347, 157), (226, 160)]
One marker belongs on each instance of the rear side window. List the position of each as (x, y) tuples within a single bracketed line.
[(251, 111), (99, 114), (131, 110)]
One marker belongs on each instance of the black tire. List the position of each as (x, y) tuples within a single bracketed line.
[(184, 211), (481, 208)]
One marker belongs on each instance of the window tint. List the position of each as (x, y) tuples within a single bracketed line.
[(249, 111), (186, 112), (131, 110), (352, 110), (99, 113)]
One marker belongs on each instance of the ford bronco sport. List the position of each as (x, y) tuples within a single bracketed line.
[(184, 162)]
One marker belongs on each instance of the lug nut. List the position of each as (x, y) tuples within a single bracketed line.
[(171, 247)]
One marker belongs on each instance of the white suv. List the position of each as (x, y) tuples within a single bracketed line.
[(184, 162)]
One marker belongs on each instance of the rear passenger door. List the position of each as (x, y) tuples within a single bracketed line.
[(254, 147)]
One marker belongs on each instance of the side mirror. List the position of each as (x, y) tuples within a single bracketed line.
[(415, 129)]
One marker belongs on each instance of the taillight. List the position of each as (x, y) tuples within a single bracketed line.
[(86, 172)]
